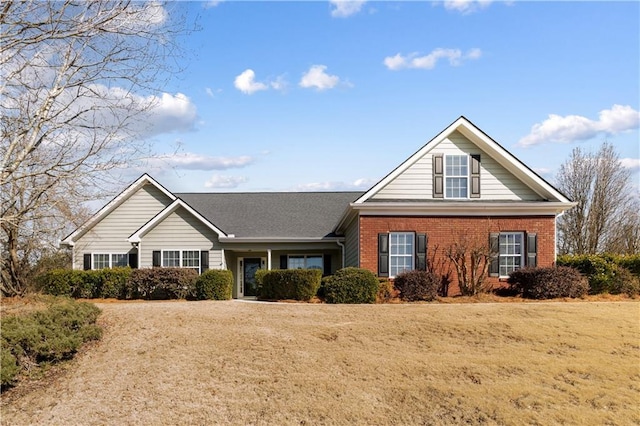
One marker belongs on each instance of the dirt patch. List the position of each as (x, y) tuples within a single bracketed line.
[(260, 363)]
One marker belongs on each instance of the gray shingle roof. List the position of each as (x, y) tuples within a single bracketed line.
[(272, 214)]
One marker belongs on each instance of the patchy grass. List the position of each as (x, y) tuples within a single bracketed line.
[(256, 363)]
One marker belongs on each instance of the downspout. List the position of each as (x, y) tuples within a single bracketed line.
[(555, 246), (343, 254)]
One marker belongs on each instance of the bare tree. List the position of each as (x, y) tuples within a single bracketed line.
[(471, 260), (70, 74), (605, 210)]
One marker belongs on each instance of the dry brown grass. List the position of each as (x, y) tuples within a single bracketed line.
[(255, 363)]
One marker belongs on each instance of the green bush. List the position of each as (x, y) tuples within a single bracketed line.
[(103, 283), (351, 285), (60, 282), (214, 284), (8, 365), (162, 283), (296, 284), (605, 271), (548, 283), (113, 283), (418, 285), (48, 335)]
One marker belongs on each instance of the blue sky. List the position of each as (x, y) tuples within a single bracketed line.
[(282, 96)]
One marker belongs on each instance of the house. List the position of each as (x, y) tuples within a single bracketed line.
[(461, 185)]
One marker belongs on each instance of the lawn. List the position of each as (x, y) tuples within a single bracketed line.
[(257, 363)]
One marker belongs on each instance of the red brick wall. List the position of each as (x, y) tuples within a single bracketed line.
[(442, 231)]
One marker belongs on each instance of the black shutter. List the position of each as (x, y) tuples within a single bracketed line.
[(438, 176), (327, 265), (383, 255), (532, 250), (421, 252), (87, 261), (283, 261), (133, 260), (494, 245), (156, 258), (204, 260), (475, 176)]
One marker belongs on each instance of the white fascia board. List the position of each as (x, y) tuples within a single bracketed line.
[(137, 236), (111, 205), (468, 208)]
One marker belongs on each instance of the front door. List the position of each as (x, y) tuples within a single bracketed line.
[(249, 268)]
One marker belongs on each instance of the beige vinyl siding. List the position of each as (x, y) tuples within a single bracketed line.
[(416, 182), (111, 233), (181, 231), (351, 243)]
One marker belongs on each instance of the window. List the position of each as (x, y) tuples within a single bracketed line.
[(456, 176), (109, 260), (511, 249), (305, 261), (181, 259), (119, 260), (100, 261), (401, 252)]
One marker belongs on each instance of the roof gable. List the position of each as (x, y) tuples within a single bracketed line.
[(157, 219), (528, 181), (117, 201)]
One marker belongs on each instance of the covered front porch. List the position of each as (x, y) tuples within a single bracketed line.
[(245, 259)]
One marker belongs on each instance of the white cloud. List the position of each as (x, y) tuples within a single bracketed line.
[(191, 161), (429, 61), (345, 8), (632, 164), (357, 185), (317, 78), (466, 6), (280, 83), (171, 113), (572, 128), (225, 181), (245, 82), (211, 4)]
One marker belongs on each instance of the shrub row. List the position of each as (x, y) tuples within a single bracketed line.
[(127, 283), (607, 273), (296, 284), (45, 336), (548, 283)]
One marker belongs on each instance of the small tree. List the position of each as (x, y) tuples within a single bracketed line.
[(471, 260)]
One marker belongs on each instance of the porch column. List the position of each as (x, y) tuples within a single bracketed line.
[(268, 259)]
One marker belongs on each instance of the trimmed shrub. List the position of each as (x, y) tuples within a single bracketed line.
[(112, 283), (351, 285), (386, 291), (60, 282), (296, 284), (214, 284), (548, 283), (418, 285), (604, 271), (48, 335), (162, 283)]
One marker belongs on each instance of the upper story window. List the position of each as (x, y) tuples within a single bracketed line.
[(456, 176)]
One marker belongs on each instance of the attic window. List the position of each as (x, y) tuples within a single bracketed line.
[(456, 176)]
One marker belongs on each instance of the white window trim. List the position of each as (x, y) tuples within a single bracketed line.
[(411, 255), (181, 259), (522, 251), (93, 259), (445, 176), (305, 255)]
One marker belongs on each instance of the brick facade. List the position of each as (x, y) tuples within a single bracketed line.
[(441, 231)]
